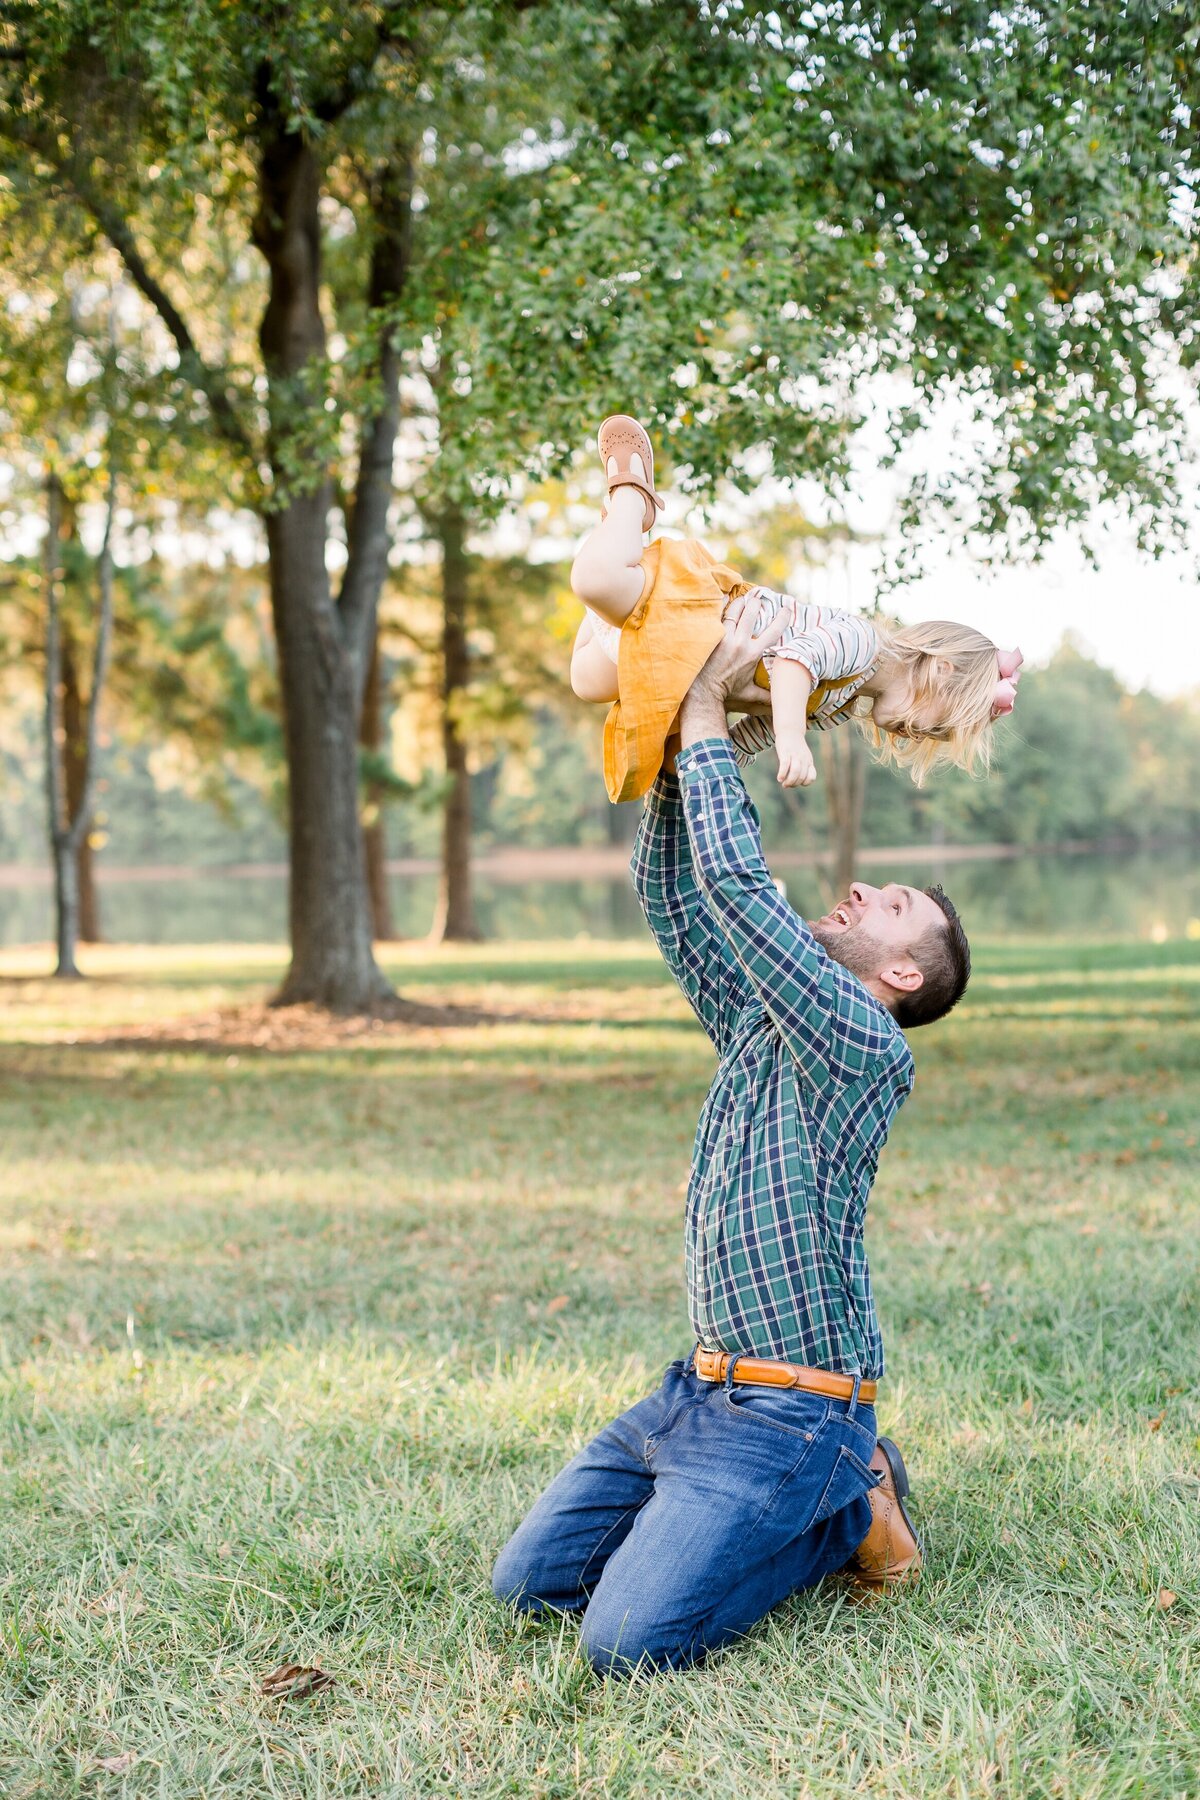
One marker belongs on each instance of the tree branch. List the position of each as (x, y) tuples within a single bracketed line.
[(80, 824), (428, 646), (387, 35), (119, 232), (55, 796), (367, 521), (357, 78)]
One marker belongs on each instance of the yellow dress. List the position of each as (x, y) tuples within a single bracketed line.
[(672, 631), (665, 642)]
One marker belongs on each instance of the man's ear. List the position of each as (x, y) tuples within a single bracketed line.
[(902, 977)]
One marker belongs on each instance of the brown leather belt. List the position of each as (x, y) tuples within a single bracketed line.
[(713, 1365)]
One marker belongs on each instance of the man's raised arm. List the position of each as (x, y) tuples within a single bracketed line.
[(832, 1026), (692, 945)]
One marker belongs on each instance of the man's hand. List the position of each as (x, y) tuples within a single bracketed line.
[(750, 698), (728, 673), (796, 765)]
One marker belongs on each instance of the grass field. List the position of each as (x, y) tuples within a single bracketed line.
[(290, 1338)]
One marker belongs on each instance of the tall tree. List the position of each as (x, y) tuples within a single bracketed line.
[(68, 826), (455, 916), (738, 216), (80, 363), (944, 197), (79, 780), (273, 94), (370, 730)]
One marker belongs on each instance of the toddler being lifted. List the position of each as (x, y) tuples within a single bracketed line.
[(928, 693)]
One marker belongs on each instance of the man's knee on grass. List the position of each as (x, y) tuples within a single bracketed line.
[(620, 1641), (518, 1582)]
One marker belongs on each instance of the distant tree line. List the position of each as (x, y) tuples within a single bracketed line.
[(1082, 760)]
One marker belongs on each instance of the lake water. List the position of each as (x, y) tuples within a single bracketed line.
[(1139, 895)]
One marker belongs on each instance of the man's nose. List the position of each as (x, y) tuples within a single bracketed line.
[(862, 893)]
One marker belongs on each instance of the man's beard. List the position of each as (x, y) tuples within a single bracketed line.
[(856, 948)]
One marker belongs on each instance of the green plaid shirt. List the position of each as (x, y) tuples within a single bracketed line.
[(812, 1071)]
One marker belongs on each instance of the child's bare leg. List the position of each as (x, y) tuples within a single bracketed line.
[(593, 674), (606, 575)]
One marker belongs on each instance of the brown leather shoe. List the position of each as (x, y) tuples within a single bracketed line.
[(890, 1554)]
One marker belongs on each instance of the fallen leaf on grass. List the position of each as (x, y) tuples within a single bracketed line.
[(559, 1301), (1165, 1598), (117, 1765), (292, 1681), (1156, 1423), (116, 1597)]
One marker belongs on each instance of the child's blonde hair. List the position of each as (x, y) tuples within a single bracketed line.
[(963, 692)]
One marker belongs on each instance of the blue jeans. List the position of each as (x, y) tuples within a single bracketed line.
[(691, 1516)]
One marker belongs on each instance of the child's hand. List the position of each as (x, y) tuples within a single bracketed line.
[(796, 765)]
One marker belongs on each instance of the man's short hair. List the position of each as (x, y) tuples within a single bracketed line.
[(943, 956)]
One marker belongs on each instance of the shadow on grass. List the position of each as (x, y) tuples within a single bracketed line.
[(1152, 1014), (614, 971)]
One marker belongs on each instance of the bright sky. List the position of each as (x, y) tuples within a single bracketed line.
[(1139, 617)]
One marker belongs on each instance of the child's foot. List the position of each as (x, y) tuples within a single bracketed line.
[(628, 458)]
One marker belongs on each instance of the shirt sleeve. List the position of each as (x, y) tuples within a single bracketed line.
[(692, 944), (750, 737), (831, 644), (833, 1028)]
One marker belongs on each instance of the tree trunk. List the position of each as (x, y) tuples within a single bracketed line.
[(845, 773), (329, 913), (329, 917), (370, 736), (68, 832), (455, 917), (62, 849), (90, 928), (66, 912), (805, 839), (937, 838), (323, 644), (74, 726)]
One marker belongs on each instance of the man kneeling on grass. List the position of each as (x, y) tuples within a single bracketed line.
[(755, 1469)]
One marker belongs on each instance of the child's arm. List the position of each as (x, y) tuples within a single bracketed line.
[(791, 685)]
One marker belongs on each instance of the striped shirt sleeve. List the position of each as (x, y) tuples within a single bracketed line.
[(830, 643), (750, 737)]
